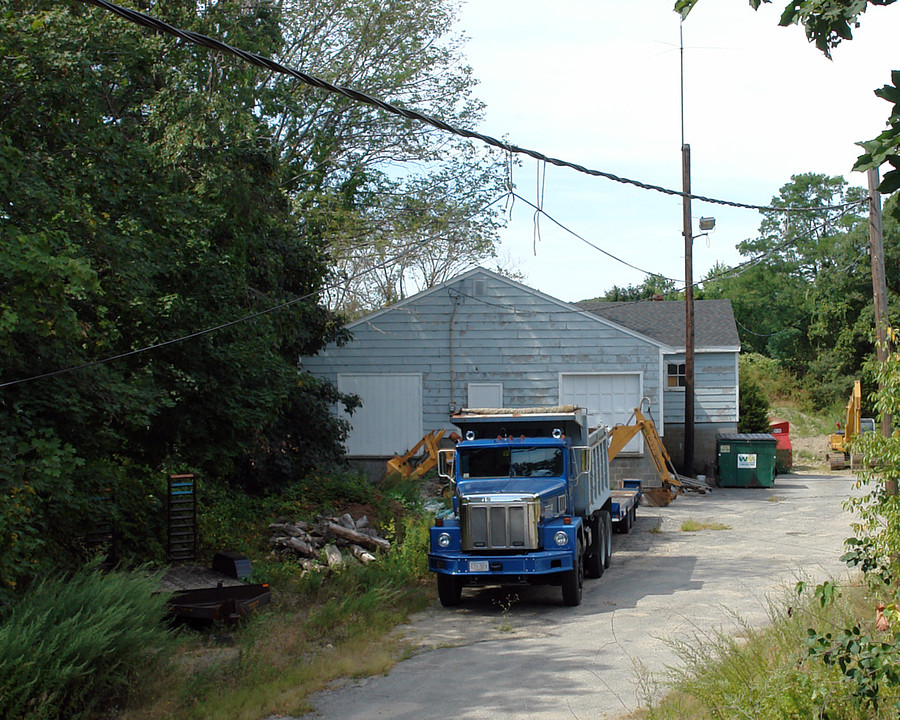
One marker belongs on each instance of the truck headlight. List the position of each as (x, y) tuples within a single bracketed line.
[(561, 538), (443, 540)]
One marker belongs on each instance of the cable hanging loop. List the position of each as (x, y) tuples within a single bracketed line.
[(541, 179)]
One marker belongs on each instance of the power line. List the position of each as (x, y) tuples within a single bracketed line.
[(158, 25), (540, 211), (266, 63)]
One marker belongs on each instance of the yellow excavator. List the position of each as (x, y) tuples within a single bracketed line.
[(839, 456), (622, 434), (421, 458)]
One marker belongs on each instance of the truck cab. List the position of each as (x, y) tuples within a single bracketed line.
[(531, 502)]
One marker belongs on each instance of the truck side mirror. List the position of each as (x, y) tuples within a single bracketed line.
[(445, 464), (581, 459)]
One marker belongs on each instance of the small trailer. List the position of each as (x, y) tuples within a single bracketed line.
[(625, 501), (217, 594), (223, 603)]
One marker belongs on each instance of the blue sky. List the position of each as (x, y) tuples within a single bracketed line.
[(597, 82)]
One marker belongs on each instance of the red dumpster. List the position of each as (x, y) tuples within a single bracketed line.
[(784, 453)]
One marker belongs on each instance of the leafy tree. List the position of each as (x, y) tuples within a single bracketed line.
[(141, 202), (151, 190), (400, 206), (804, 295)]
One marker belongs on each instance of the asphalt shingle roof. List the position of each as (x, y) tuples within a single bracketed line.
[(714, 324)]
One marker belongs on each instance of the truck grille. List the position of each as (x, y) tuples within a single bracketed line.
[(499, 522)]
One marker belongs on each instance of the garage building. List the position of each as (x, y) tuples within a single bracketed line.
[(483, 340)]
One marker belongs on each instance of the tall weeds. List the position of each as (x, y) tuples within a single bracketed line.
[(770, 673), (73, 645)]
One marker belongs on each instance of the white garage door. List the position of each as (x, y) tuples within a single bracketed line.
[(390, 419), (609, 398)]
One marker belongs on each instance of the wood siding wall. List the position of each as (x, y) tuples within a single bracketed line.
[(715, 389), (488, 330)]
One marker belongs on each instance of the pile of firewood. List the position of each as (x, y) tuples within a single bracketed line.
[(327, 537)]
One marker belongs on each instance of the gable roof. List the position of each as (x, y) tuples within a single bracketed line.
[(483, 272), (714, 325)]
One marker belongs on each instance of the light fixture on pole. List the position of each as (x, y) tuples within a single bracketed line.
[(707, 224)]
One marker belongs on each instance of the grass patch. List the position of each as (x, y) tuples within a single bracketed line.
[(321, 627), (696, 526), (767, 674), (806, 424)]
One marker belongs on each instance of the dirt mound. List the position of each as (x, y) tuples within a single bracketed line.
[(811, 452)]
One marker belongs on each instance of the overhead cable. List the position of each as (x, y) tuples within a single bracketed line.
[(540, 211), (158, 25)]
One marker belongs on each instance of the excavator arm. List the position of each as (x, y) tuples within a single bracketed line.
[(622, 434)]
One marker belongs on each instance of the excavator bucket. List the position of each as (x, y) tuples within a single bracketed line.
[(421, 458)]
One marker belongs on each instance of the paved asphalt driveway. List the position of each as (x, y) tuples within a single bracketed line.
[(520, 653)]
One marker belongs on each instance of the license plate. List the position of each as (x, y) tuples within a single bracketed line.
[(478, 566)]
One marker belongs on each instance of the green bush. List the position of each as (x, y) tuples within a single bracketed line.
[(50, 499), (754, 406), (73, 645)]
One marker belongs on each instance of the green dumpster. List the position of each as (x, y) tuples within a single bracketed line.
[(746, 459)]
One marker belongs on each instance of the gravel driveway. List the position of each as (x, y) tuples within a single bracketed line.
[(521, 654)]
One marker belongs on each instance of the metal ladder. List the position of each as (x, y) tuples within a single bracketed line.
[(182, 518)]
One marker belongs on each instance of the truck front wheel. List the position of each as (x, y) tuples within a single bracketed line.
[(573, 580), (449, 590)]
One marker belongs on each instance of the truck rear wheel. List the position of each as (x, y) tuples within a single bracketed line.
[(595, 562), (607, 530), (449, 589), (573, 580)]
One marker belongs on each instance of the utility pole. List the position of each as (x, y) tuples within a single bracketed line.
[(688, 463), (879, 292)]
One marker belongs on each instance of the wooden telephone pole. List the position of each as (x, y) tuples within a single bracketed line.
[(688, 463), (879, 292)]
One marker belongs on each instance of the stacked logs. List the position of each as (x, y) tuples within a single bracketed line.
[(327, 537)]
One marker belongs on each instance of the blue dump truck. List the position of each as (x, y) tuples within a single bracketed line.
[(532, 502)]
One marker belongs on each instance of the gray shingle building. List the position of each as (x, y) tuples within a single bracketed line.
[(483, 340)]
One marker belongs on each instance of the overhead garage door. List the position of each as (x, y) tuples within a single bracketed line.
[(390, 419), (610, 399)]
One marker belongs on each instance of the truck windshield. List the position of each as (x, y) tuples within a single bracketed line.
[(510, 462)]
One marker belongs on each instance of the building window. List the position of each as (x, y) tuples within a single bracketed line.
[(675, 375)]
